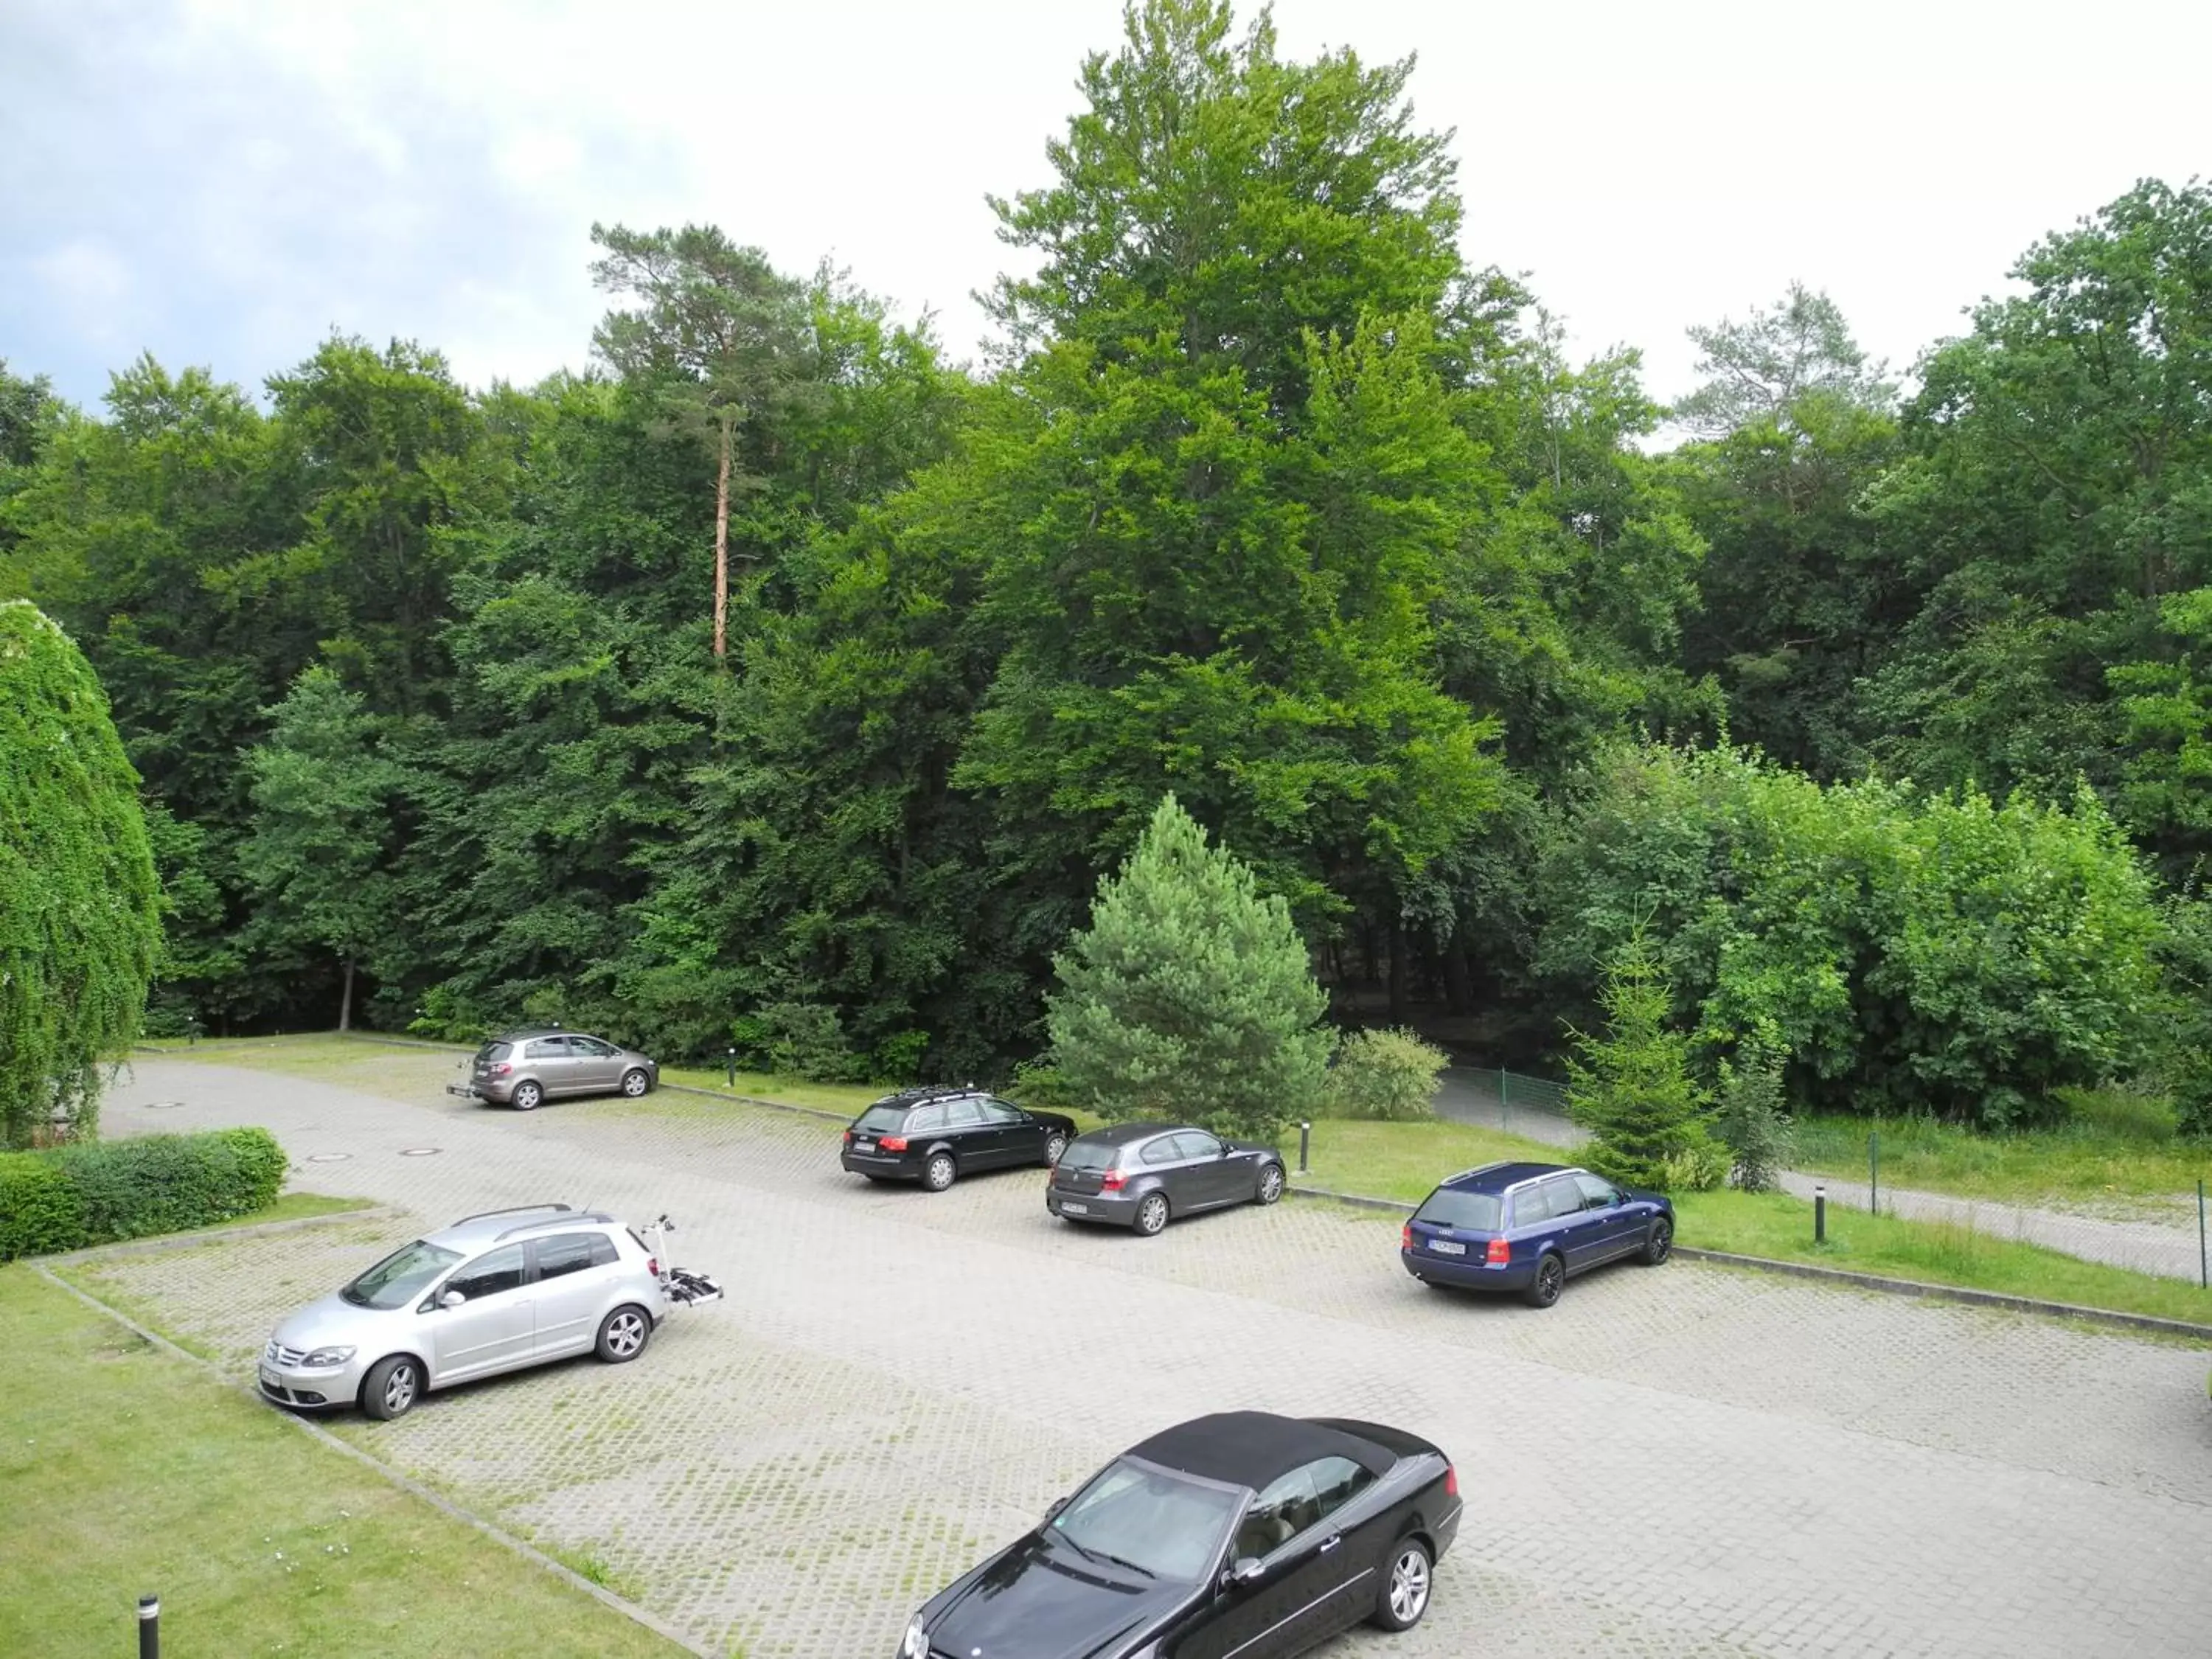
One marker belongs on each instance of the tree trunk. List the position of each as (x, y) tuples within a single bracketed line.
[(722, 547), (1459, 983), (345, 1001), (1397, 975)]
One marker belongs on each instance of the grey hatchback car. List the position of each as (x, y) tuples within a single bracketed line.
[(525, 1069), (1141, 1176), (493, 1292)]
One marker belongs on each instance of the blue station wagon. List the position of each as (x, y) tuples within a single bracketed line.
[(1529, 1227)]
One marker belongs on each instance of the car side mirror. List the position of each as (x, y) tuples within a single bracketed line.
[(452, 1299), (1246, 1571), (1229, 1151)]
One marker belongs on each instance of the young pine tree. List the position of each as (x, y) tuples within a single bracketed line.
[(1631, 1087), (1752, 1122), (1190, 996)]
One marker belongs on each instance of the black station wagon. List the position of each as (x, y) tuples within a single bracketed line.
[(935, 1136)]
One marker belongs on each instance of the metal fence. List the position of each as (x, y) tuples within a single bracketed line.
[(1511, 1101)]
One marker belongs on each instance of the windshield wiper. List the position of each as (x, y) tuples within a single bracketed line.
[(1132, 1565)]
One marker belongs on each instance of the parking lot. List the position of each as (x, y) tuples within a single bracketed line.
[(1685, 1461)]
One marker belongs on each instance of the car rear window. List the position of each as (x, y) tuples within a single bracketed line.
[(1450, 1207), (881, 1117), (1087, 1155), (494, 1052)]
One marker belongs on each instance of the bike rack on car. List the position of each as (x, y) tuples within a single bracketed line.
[(680, 1285)]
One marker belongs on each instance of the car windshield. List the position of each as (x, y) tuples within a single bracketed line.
[(1087, 1155), (1157, 1524), (1449, 1207), (880, 1118), (401, 1276)]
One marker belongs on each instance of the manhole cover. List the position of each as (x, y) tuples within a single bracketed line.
[(161, 1105), (418, 1152), (328, 1158)]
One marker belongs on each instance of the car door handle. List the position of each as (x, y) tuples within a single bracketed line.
[(1330, 1543)]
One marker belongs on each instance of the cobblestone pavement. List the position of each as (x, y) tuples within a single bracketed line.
[(1689, 1461)]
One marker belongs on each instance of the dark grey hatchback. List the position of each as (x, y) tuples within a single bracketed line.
[(1142, 1175)]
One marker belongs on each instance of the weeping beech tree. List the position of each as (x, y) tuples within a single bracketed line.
[(80, 914)]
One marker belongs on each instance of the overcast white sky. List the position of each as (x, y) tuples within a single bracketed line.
[(223, 181)]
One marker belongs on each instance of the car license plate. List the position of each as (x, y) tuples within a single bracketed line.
[(1447, 1247), (271, 1378), (1067, 1208), (863, 1145)]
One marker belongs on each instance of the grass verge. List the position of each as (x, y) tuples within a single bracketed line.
[(1405, 1161), (125, 1471), (289, 1207), (2088, 1162)]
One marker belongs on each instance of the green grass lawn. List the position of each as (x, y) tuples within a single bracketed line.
[(125, 1471), (2104, 1158), (1404, 1161)]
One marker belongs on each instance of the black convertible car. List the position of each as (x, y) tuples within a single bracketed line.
[(1242, 1533)]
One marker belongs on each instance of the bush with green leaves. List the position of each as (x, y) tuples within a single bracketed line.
[(807, 1039), (1752, 1124), (1909, 953), (1388, 1075), (102, 1191), (1190, 996), (1631, 1086)]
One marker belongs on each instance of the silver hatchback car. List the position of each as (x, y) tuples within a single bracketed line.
[(493, 1292), (524, 1069)]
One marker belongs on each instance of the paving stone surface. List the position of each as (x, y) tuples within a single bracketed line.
[(1688, 1461)]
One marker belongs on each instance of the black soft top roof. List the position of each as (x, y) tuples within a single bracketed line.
[(1255, 1448)]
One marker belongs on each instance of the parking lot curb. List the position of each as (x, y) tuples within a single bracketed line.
[(755, 1100), (1912, 1287), (446, 1507)]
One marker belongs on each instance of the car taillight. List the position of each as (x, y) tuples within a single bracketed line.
[(848, 1137), (1451, 1481), (1111, 1180), (1498, 1254), (653, 1266), (891, 1143), (1406, 1237), (501, 1069)]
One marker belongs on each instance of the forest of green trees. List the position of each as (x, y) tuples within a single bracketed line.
[(778, 680)]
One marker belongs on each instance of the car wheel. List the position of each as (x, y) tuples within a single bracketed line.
[(624, 1334), (1550, 1279), (635, 1083), (938, 1174), (527, 1097), (392, 1387), (1152, 1215), (1659, 1243), (1271, 1184), (1403, 1596), (1054, 1145)]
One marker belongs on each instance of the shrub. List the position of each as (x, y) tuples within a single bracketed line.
[(1753, 1124), (807, 1039), (1389, 1075), (897, 1058), (102, 1191)]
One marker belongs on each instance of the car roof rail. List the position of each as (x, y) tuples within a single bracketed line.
[(1480, 1168), (512, 1209), (572, 1219)]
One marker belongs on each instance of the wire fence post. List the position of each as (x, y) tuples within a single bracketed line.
[(1873, 1173), (1505, 1099), (2204, 1276)]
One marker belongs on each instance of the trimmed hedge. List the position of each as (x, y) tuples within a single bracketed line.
[(74, 1196)]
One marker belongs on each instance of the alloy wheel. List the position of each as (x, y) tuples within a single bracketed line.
[(1152, 1214), (1409, 1585), (1271, 1184), (400, 1389), (1054, 1145), (634, 1085), (625, 1333)]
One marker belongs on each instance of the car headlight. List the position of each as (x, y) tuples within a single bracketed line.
[(916, 1646), (328, 1357)]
